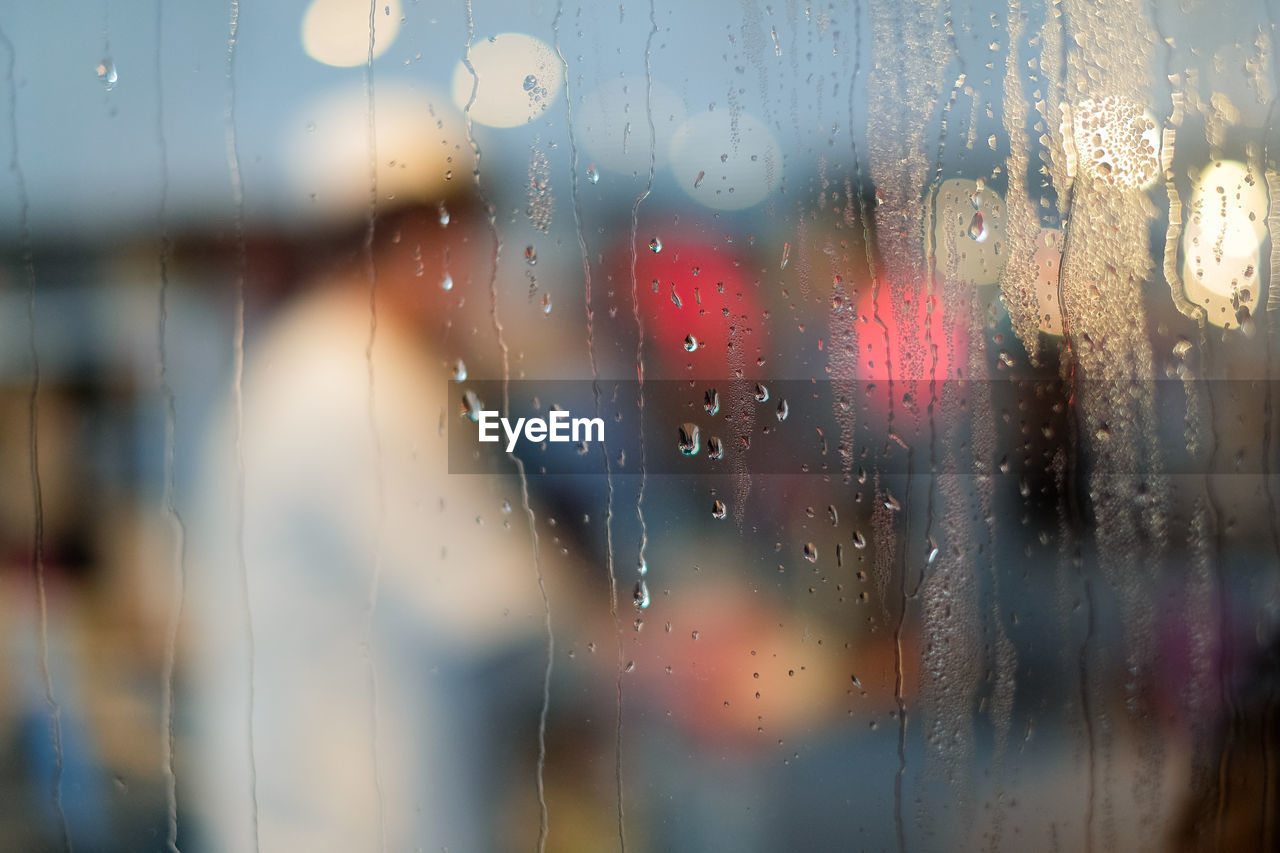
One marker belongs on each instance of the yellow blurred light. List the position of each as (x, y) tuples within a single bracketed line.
[(1222, 242), (517, 77), (420, 141), (336, 32), (1116, 142)]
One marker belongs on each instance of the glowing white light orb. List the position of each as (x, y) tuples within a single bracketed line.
[(336, 32), (1116, 142), (517, 78), (1225, 229)]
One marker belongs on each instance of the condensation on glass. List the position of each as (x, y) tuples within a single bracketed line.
[(881, 408)]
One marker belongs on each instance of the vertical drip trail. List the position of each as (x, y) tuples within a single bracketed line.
[(1070, 476), (1225, 668), (33, 423), (1105, 268), (847, 423), (237, 393), (543, 817), (169, 498), (905, 92), (1069, 364), (1268, 413), (899, 675), (635, 301), (1074, 513), (375, 578), (576, 194), (898, 824)]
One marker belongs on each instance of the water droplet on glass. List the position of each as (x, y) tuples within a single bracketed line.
[(675, 297), (811, 552), (859, 541), (690, 343), (640, 597), (446, 283), (546, 303), (711, 401), (783, 410), (444, 216), (976, 199), (933, 552), (530, 255), (1245, 319), (718, 509), (977, 228), (786, 254), (106, 72), (715, 448), (471, 406), (530, 82), (762, 393), (697, 182), (459, 371), (833, 515), (655, 245), (891, 503), (689, 439), (593, 174)]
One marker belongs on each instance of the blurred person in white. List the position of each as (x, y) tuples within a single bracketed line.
[(372, 574)]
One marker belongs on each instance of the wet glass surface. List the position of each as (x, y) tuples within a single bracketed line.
[(719, 426)]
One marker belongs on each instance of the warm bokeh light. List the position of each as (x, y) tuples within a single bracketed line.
[(421, 145), (336, 32), (1117, 142), (519, 77), (1225, 228)]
